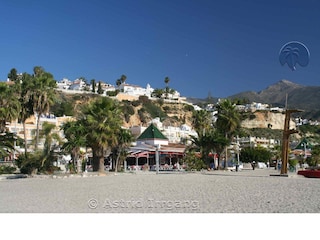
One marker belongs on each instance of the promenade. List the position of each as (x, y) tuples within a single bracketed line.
[(246, 191)]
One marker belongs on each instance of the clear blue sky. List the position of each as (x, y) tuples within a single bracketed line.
[(222, 47)]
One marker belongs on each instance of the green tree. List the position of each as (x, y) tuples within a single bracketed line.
[(166, 81), (258, 154), (7, 140), (201, 121), (102, 120), (52, 141), (193, 161), (118, 82), (9, 105), (13, 75), (123, 78), (100, 90), (228, 121), (315, 157), (41, 160), (43, 95), (172, 91), (25, 88), (157, 93), (93, 85), (124, 140), (210, 141), (219, 144), (75, 134)]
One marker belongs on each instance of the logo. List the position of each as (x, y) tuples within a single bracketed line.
[(294, 53)]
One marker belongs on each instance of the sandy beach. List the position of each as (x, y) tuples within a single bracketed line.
[(246, 191)]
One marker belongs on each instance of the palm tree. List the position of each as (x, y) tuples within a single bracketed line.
[(219, 143), (100, 90), (93, 85), (209, 142), (201, 121), (118, 82), (43, 95), (228, 121), (124, 140), (38, 71), (102, 120), (9, 105), (7, 140), (172, 91), (123, 78), (157, 93), (74, 132), (13, 75), (166, 81), (51, 143), (25, 88)]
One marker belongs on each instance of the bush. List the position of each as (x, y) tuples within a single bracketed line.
[(194, 163), (29, 164), (166, 108), (127, 110), (160, 102), (252, 116), (153, 110), (188, 108), (4, 169), (141, 113), (112, 93), (257, 154), (135, 103), (144, 99), (293, 162)]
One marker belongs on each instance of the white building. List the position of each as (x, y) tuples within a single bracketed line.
[(31, 125), (175, 134), (64, 84), (256, 106), (135, 90), (256, 141)]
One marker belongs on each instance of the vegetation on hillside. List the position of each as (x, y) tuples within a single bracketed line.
[(98, 122)]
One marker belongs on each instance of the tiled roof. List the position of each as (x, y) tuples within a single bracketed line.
[(152, 132)]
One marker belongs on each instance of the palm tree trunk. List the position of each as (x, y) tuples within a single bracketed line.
[(101, 164), (25, 138), (95, 160), (226, 154), (117, 163), (37, 131)]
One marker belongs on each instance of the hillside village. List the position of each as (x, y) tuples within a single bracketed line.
[(261, 115), (177, 134)]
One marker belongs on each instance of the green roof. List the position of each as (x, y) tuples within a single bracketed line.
[(152, 132), (303, 143)]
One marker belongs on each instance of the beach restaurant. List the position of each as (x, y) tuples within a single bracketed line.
[(143, 154)]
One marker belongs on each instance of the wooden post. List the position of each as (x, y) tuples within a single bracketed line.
[(285, 141)]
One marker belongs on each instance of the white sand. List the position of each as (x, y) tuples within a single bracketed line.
[(209, 192)]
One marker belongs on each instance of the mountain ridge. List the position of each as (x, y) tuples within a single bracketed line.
[(297, 96), (284, 91)]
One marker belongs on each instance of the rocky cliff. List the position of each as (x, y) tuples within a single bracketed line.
[(266, 119)]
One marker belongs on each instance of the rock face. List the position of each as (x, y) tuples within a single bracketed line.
[(267, 120)]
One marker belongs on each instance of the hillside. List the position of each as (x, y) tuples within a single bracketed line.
[(265, 119), (135, 112), (142, 111), (306, 98)]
